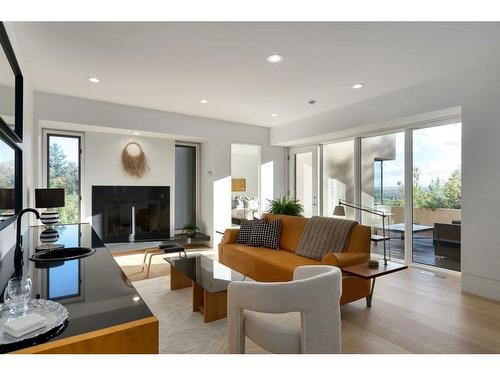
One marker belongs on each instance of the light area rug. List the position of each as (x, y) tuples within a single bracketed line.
[(181, 329)]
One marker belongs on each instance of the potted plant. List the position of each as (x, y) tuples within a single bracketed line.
[(190, 230), (285, 205)]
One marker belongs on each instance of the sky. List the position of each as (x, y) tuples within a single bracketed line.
[(68, 145), (6, 152), (436, 152)]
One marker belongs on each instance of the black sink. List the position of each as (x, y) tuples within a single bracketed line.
[(67, 253)]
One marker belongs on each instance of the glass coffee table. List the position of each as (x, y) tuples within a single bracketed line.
[(209, 280)]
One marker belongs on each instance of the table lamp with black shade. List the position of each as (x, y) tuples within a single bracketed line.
[(49, 199), (340, 211)]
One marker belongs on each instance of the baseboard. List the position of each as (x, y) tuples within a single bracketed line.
[(481, 286)]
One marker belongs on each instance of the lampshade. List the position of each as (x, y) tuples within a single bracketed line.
[(7, 199), (339, 211), (49, 198)]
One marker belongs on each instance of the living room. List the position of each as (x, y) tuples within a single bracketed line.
[(230, 187)]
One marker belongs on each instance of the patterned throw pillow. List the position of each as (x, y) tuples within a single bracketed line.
[(246, 229), (266, 234)]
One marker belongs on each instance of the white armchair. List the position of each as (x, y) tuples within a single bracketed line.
[(299, 316)]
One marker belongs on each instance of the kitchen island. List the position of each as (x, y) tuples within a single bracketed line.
[(106, 314)]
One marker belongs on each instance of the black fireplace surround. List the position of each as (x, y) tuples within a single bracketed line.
[(112, 208)]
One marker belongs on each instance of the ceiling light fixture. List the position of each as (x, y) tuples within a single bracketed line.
[(357, 85), (274, 59), (274, 115), (94, 79), (203, 101), (137, 133)]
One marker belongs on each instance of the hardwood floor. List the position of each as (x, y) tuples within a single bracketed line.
[(412, 312), (416, 312)]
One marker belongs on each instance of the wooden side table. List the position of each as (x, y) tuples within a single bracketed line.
[(365, 272)]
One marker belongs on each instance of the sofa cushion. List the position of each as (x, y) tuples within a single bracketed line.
[(263, 264), (278, 265), (241, 258), (291, 230), (266, 234), (246, 227)]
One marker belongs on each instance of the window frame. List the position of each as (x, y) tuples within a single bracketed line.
[(46, 134)]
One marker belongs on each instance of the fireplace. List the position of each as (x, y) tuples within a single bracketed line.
[(131, 213)]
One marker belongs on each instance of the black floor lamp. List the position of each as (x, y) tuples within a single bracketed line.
[(340, 211)]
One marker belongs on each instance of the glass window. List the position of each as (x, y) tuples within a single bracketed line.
[(437, 196), (338, 176), (382, 175), (64, 172), (7, 181)]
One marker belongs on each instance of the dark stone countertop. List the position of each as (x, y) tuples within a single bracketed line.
[(95, 290)]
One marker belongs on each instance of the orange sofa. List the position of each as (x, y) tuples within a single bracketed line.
[(263, 264)]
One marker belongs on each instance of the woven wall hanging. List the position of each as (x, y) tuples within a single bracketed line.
[(134, 161)]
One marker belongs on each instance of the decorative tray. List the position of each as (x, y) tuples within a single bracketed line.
[(56, 315)]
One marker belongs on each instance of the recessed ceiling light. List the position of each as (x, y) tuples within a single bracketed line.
[(94, 79), (274, 115), (136, 298), (204, 101), (274, 59), (357, 85), (137, 133)]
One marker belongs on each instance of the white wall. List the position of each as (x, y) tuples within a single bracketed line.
[(102, 166), (215, 137), (247, 167), (477, 92)]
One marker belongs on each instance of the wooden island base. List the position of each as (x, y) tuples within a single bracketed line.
[(136, 337)]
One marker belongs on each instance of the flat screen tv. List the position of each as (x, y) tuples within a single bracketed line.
[(131, 213)]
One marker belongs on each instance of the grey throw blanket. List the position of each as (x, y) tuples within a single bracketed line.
[(323, 235)]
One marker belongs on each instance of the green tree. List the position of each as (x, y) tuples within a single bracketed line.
[(7, 178), (436, 195), (64, 174), (452, 190)]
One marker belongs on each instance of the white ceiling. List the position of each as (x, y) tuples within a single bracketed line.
[(171, 66)]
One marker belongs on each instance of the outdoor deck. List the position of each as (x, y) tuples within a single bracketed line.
[(424, 251)]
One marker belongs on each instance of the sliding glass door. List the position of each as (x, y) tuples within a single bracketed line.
[(338, 177), (412, 175), (437, 196), (304, 178), (382, 188)]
